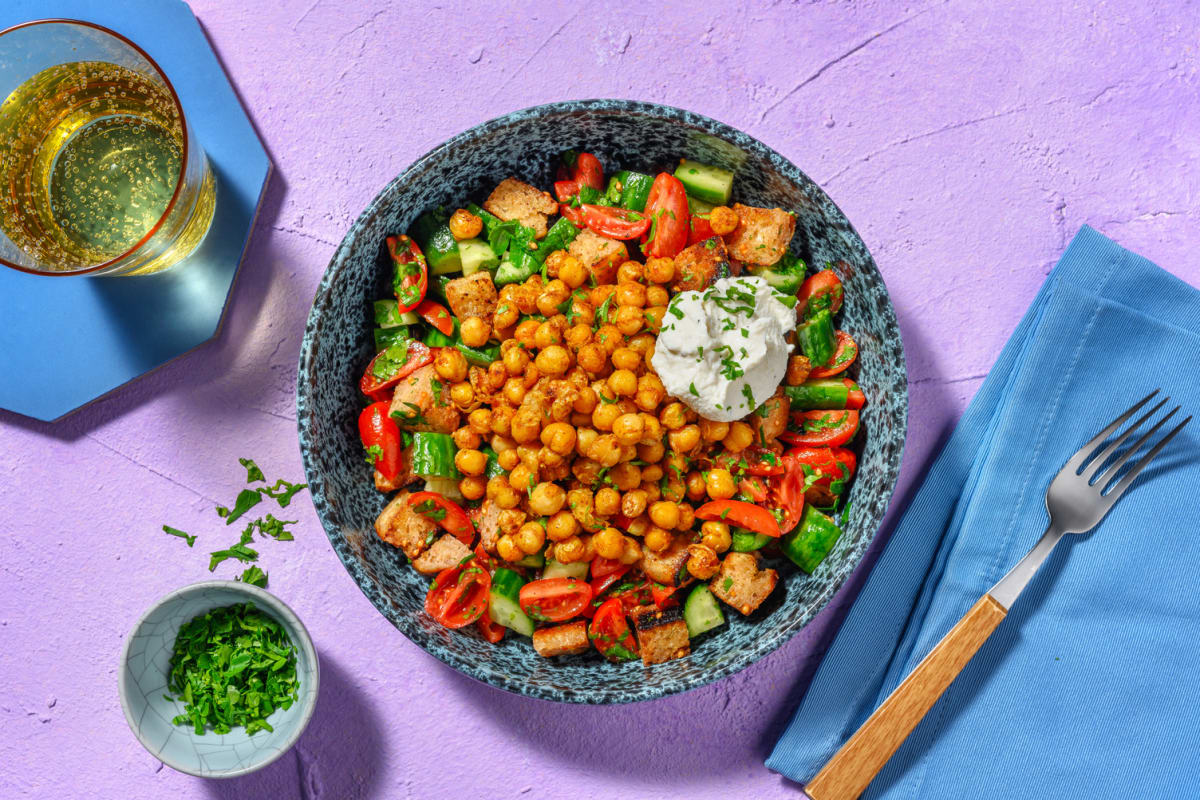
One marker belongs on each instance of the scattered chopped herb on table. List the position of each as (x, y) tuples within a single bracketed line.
[(232, 667), (254, 576), (191, 540)]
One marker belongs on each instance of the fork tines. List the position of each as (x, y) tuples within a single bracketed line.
[(1090, 459)]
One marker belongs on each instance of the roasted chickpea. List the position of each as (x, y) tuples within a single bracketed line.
[(630, 294), (510, 521), (515, 358), (531, 537), (569, 550), (507, 459), (584, 438), (547, 499), (740, 437), (528, 456), (651, 473), (719, 484), (715, 534), (605, 451), (554, 262), (660, 270), (684, 440), (664, 514), (554, 360), (604, 415), (687, 517), (514, 390), (629, 272), (506, 548), (525, 331), (656, 539), (506, 497), (609, 543), (651, 452), (633, 504), (625, 476), (696, 489), (502, 420), (654, 318), (466, 439), (638, 525), (798, 368), (521, 477), (450, 364), (723, 220), (480, 420), (507, 314), (592, 358), (609, 338), (470, 462), (631, 551), (530, 376), (546, 334), (578, 336), (472, 487), (526, 425), (465, 225), (622, 383), (673, 488), (462, 394), (702, 561), (601, 293), (713, 431), (572, 272), (552, 295), (563, 525), (626, 358), (657, 296), (474, 331), (629, 319), (672, 417), (607, 502), (628, 428), (559, 437)]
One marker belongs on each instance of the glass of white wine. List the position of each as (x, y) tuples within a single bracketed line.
[(100, 173)]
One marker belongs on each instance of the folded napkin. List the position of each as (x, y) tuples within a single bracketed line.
[(1091, 686)]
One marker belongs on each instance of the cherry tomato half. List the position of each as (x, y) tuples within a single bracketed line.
[(823, 428), (588, 171), (740, 513), (565, 190), (459, 595), (855, 398), (446, 513), (554, 599), (605, 566), (667, 210), (822, 290), (699, 229), (825, 470), (601, 584), (615, 223), (377, 429), (610, 632), (843, 357), (412, 274), (385, 371), (436, 315), (492, 631)]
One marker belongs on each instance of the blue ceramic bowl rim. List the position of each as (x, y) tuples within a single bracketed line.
[(307, 702), (321, 300)]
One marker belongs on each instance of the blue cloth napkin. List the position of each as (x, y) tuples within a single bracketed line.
[(1091, 686)]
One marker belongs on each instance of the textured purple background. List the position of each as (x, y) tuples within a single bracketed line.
[(966, 144)]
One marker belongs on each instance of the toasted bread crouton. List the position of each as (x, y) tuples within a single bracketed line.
[(472, 296), (415, 405), (404, 475), (514, 199), (698, 265), (400, 526), (601, 256), (741, 584), (762, 234), (445, 553), (487, 522), (668, 567), (662, 635), (561, 640)]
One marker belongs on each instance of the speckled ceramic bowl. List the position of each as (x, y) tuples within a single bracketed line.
[(145, 663), (338, 345)]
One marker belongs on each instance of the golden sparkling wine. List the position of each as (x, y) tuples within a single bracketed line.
[(91, 158)]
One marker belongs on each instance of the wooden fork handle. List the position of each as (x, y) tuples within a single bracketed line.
[(862, 757)]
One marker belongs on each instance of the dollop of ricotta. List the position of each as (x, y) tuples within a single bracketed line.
[(722, 351)]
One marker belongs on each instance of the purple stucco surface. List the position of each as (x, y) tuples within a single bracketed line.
[(966, 143)]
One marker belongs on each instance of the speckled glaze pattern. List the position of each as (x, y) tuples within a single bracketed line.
[(337, 347)]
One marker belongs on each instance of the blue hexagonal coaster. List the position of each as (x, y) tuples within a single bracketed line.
[(65, 341)]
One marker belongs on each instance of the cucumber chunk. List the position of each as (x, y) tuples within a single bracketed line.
[(517, 270), (747, 541), (389, 315), (817, 339), (386, 337), (635, 189), (476, 255), (433, 455), (812, 540), (705, 182), (432, 234), (697, 206), (556, 569), (533, 561), (701, 611), (819, 393), (446, 487), (504, 607)]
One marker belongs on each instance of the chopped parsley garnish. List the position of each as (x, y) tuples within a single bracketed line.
[(748, 393), (692, 389), (602, 312), (437, 386), (374, 453), (389, 362), (430, 510), (412, 416)]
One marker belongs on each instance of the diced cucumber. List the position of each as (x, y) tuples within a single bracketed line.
[(701, 611), (556, 569), (386, 337), (635, 189), (475, 255), (517, 270), (432, 234), (747, 541), (493, 463), (490, 220), (433, 455), (533, 561), (812, 540), (820, 393), (787, 283), (480, 356), (698, 206), (560, 235), (389, 315), (816, 337), (705, 182), (505, 606), (447, 487), (435, 338), (437, 287), (612, 193)]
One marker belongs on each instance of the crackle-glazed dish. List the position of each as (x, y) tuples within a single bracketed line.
[(672, 568)]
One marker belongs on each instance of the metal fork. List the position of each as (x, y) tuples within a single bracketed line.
[(1080, 495)]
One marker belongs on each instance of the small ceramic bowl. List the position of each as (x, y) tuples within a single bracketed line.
[(338, 345), (143, 683)]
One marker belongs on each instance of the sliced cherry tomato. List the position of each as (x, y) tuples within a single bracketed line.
[(605, 566), (437, 316), (377, 429), (635, 594), (446, 513), (699, 229), (662, 596), (555, 599), (484, 558), (385, 371), (565, 190), (610, 632), (822, 290), (667, 210), (824, 470), (602, 583), (754, 487), (459, 595), (492, 631), (787, 492), (822, 428), (615, 223), (762, 462), (588, 171), (740, 513), (856, 398), (412, 274), (843, 357)]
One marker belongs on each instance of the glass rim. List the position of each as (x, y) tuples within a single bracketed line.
[(183, 162)]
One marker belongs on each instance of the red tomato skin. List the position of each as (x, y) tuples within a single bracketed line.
[(601, 584), (436, 315), (571, 595), (667, 203), (856, 399), (455, 521), (449, 590), (699, 230), (565, 190), (588, 171), (419, 355), (743, 514), (613, 223), (610, 623), (829, 437), (404, 251), (844, 343), (375, 427), (605, 566), (820, 283), (492, 631)]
